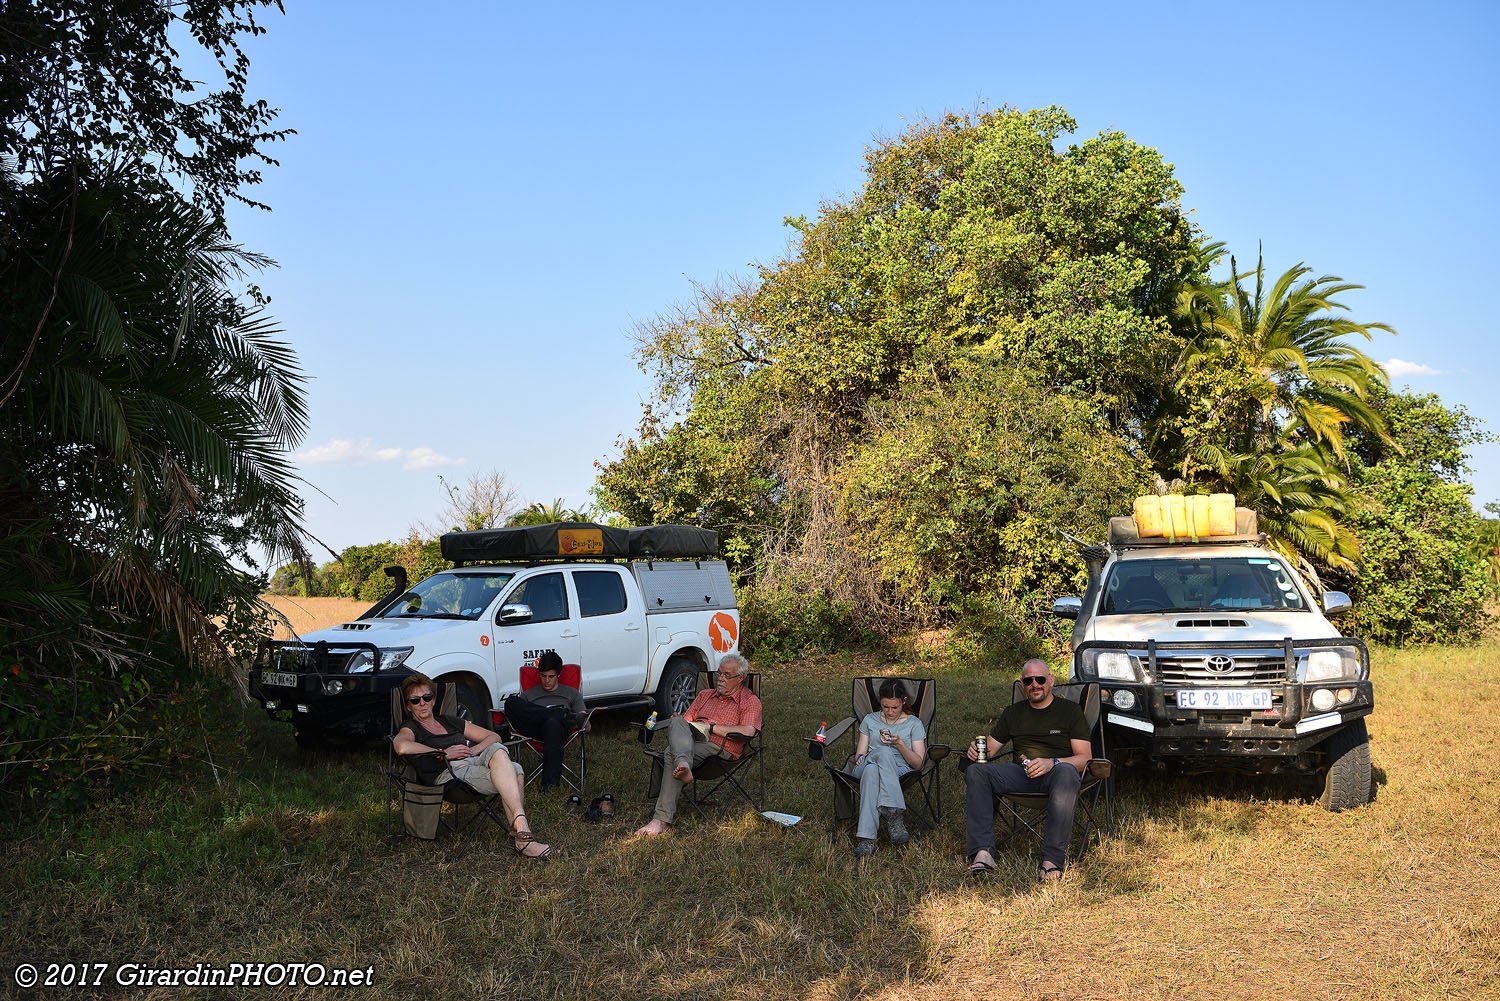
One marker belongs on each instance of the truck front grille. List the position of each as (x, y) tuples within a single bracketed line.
[(1195, 671), (302, 660)]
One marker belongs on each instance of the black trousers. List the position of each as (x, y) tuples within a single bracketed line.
[(544, 723)]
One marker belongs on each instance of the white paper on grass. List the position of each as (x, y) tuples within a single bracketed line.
[(784, 819)]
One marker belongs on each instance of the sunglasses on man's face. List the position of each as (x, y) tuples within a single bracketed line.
[(1041, 680), (424, 697)]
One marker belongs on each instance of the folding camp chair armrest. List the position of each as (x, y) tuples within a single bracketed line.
[(816, 747), (646, 734), (937, 752), (1100, 768), (838, 729), (743, 740)]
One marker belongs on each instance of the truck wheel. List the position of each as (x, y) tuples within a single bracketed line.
[(679, 684), (1347, 783), (473, 704), (308, 737)]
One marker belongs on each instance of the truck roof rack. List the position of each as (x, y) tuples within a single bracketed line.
[(1202, 540)]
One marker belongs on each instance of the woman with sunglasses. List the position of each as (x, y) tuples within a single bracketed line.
[(474, 755)]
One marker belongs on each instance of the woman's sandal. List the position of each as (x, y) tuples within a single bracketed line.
[(521, 842), (607, 805), (1049, 873)]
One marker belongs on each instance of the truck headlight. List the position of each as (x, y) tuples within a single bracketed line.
[(1111, 665), (390, 657), (1330, 664)]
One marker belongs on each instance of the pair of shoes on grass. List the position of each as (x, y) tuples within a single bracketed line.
[(895, 826)]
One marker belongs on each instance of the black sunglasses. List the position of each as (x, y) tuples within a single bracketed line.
[(424, 697), (1034, 680)]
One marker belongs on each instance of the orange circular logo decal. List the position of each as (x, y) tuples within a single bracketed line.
[(484, 641), (722, 632)]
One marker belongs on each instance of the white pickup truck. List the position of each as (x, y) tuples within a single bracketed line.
[(1215, 653), (641, 611)]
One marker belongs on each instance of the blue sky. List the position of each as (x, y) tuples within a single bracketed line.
[(483, 199)]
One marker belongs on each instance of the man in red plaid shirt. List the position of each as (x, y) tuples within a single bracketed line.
[(728, 711)]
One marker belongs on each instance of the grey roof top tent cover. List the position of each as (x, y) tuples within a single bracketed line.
[(578, 540)]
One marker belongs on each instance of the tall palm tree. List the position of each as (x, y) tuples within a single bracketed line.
[(1302, 500), (1306, 382), (146, 424), (1264, 393)]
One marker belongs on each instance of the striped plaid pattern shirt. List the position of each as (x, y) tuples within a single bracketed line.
[(740, 709)]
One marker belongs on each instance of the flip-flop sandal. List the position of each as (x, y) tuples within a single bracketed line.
[(595, 810), (1048, 873), (979, 869), (606, 805), (574, 804)]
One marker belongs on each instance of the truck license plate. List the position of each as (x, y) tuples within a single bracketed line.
[(278, 678), (1224, 698)]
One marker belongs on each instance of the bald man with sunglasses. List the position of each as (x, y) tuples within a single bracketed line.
[(1050, 750)]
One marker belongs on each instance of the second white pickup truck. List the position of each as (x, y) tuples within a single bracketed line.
[(640, 610)]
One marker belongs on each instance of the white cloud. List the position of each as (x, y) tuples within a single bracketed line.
[(1406, 369), (362, 452), (425, 458)]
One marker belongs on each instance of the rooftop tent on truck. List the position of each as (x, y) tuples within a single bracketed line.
[(579, 540)]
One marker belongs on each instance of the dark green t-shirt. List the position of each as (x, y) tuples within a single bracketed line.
[(454, 734), (1042, 733)]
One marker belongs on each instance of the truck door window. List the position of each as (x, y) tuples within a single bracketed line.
[(600, 592), (546, 596)]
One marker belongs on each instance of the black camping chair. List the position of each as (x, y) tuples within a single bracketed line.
[(410, 781), (922, 694), (1025, 813), (720, 770)]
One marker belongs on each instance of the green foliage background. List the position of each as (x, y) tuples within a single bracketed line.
[(1000, 338)]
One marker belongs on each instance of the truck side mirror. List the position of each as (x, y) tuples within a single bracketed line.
[(513, 615), (1068, 608), (1336, 603)]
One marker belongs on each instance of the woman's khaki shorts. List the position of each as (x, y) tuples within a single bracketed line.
[(476, 770)]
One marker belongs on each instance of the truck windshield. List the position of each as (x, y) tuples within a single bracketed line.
[(458, 595), (1241, 583)]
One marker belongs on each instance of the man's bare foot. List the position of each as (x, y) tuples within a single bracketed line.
[(682, 773), (652, 829)]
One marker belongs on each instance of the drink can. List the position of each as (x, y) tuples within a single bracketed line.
[(982, 742)]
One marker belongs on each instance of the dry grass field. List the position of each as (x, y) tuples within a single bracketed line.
[(1212, 887), (301, 615)]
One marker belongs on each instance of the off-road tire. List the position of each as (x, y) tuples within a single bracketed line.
[(473, 701), (309, 738), (679, 684), (1347, 782)]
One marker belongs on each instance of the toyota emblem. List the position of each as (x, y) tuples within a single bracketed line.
[(1219, 664)]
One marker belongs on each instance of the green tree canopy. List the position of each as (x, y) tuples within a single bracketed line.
[(1425, 574), (147, 403), (974, 243)]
